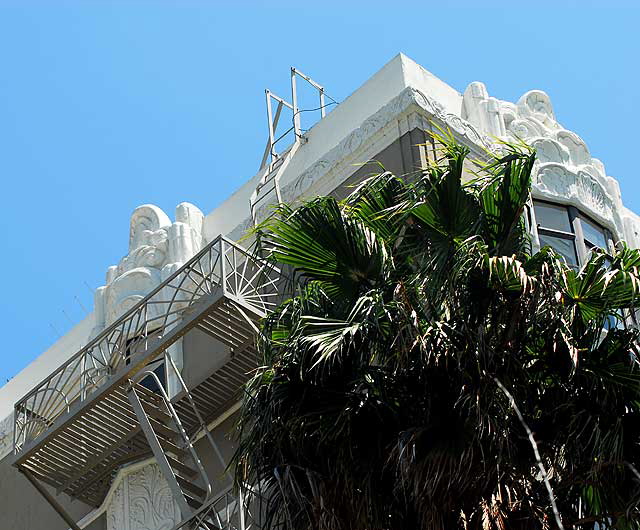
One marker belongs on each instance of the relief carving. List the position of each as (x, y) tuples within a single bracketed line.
[(151, 506), (410, 98), (565, 170), (116, 510), (142, 501), (157, 247)]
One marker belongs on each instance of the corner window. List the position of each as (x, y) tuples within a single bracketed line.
[(594, 235), (555, 230), (570, 233)]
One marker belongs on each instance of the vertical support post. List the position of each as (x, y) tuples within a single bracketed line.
[(83, 378), (294, 101), (241, 507), (158, 452), (15, 429), (50, 499), (270, 120), (223, 266), (322, 112)]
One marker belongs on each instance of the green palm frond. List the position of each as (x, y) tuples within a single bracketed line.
[(375, 405), (507, 272), (323, 243), (503, 198)]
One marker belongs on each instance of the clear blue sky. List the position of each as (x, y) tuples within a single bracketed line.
[(108, 105)]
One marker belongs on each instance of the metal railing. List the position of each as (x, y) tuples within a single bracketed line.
[(227, 511), (221, 268)]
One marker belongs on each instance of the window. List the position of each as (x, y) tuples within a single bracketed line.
[(555, 230), (569, 232), (594, 236), (138, 344)]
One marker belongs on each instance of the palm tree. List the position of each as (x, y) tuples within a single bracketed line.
[(432, 373)]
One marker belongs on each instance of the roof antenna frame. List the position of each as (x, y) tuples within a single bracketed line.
[(277, 162)]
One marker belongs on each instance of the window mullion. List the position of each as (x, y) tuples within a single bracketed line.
[(533, 229), (574, 215), (611, 244)]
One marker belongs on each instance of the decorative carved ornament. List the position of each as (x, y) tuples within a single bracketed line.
[(565, 171), (157, 248), (410, 99), (142, 500)]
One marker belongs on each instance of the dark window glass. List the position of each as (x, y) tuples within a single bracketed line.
[(593, 234), (552, 217), (563, 246), (157, 367), (136, 345)]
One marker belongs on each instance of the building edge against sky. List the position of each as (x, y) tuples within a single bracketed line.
[(388, 118)]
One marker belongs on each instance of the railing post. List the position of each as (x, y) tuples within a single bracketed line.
[(294, 101), (83, 377), (223, 265), (15, 429), (241, 504)]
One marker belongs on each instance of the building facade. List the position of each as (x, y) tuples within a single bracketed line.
[(125, 422)]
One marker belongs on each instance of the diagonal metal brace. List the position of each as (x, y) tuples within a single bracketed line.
[(50, 499), (158, 452)]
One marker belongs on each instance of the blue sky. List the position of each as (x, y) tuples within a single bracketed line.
[(108, 105)]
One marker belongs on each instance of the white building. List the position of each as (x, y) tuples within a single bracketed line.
[(112, 456)]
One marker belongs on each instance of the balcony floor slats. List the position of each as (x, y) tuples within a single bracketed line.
[(78, 426)]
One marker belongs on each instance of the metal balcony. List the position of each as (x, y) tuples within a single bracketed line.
[(78, 426)]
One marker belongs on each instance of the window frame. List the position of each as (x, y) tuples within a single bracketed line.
[(581, 245)]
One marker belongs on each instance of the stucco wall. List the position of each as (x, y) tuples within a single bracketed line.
[(402, 158), (23, 508), (224, 436), (202, 355)]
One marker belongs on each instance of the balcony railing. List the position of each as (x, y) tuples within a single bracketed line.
[(221, 269), (227, 511)]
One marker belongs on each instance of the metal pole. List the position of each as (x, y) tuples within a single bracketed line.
[(50, 499), (223, 266), (322, 112), (270, 120), (241, 502), (267, 148), (294, 97)]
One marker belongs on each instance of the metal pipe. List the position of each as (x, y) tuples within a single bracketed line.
[(270, 120), (294, 99)]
